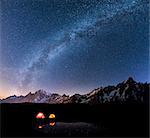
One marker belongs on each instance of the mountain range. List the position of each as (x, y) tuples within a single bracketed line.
[(125, 92)]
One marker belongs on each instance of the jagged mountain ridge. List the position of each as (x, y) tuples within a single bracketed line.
[(126, 91)]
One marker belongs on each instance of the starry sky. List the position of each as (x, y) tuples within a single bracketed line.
[(72, 46)]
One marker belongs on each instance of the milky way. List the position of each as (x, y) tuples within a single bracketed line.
[(72, 46)]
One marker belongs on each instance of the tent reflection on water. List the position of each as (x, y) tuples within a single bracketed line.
[(40, 126), (43, 120), (52, 123), (52, 119)]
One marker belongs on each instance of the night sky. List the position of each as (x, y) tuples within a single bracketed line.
[(72, 46)]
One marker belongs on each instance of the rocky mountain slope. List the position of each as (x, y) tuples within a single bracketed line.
[(126, 91)]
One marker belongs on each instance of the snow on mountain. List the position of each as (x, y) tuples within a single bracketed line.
[(12, 99), (126, 91)]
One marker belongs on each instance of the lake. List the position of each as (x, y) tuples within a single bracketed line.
[(121, 120), (68, 128)]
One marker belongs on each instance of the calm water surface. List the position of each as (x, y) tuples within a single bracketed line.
[(68, 128)]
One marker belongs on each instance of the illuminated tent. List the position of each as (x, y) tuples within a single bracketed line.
[(52, 116), (40, 115)]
